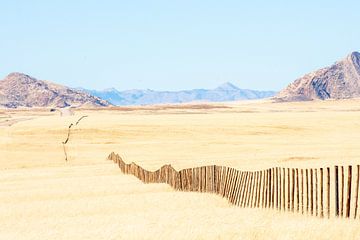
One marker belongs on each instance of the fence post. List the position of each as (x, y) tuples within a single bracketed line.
[(223, 180), (204, 182), (259, 190), (297, 191), (311, 192), (288, 187), (233, 185), (357, 190), (277, 187), (269, 188), (253, 198), (293, 189), (248, 188), (265, 186), (263, 190), (283, 189), (336, 191), (348, 200), (342, 192), (217, 178), (321, 193), (272, 187), (229, 182), (253, 201), (328, 192), (242, 202), (239, 188), (190, 179), (307, 190), (316, 193), (280, 190), (271, 202), (241, 192), (248, 195), (302, 191)]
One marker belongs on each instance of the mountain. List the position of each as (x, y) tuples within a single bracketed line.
[(339, 81), (20, 90), (225, 92)]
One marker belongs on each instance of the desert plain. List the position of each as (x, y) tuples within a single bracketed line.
[(87, 197)]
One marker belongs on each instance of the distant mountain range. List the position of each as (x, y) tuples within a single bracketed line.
[(339, 81), (225, 92), (21, 90)]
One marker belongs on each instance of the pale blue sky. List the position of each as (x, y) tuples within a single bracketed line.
[(175, 44)]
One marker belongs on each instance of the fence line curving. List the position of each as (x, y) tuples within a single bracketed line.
[(321, 192)]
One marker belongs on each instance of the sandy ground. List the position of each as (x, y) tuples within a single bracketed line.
[(87, 197)]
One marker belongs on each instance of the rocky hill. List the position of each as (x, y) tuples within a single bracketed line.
[(339, 81), (20, 90), (225, 92)]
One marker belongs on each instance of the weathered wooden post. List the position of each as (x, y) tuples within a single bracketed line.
[(283, 189), (348, 200), (311, 192), (342, 192), (292, 189), (229, 184), (233, 185), (259, 189), (277, 187), (243, 195), (328, 192), (357, 190), (249, 189), (321, 193), (297, 191), (336, 191), (253, 200), (239, 188), (223, 180), (316, 193), (280, 190), (263, 189), (253, 189), (268, 188), (307, 190), (288, 188), (272, 188), (302, 191)]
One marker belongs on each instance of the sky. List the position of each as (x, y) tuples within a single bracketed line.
[(175, 44)]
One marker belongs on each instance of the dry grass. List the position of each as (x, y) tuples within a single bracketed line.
[(87, 198), (96, 202)]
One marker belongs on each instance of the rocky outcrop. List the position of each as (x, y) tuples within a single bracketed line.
[(339, 81), (21, 90)]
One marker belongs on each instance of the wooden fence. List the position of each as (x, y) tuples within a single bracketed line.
[(323, 192)]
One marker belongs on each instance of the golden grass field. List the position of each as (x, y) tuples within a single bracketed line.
[(87, 197)]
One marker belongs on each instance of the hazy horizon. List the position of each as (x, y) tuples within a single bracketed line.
[(175, 45)]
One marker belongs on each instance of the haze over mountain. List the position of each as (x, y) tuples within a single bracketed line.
[(21, 90), (225, 92), (339, 81)]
